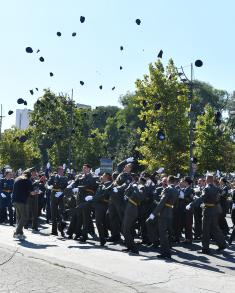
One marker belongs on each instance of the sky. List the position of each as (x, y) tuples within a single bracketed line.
[(185, 31)]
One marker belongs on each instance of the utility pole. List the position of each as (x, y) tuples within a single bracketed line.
[(1, 117)]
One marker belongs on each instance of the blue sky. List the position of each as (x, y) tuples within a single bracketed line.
[(184, 30)]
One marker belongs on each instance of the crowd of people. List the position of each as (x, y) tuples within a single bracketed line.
[(122, 206)]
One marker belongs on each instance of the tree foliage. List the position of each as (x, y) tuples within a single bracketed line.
[(214, 147), (164, 108)]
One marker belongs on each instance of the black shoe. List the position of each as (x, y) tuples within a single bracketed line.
[(126, 250), (35, 230), (54, 233), (134, 251), (83, 239), (69, 236), (102, 242), (164, 256), (205, 251)]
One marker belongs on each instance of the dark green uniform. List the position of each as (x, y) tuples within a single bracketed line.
[(117, 204), (100, 204), (57, 202), (164, 212), (82, 217), (135, 194), (211, 212)]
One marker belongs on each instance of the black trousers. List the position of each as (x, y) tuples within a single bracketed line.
[(57, 211), (197, 222), (144, 212), (116, 214), (223, 223), (152, 230), (210, 228), (165, 231), (130, 217), (84, 218), (100, 219)]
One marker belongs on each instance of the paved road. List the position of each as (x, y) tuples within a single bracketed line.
[(47, 263)]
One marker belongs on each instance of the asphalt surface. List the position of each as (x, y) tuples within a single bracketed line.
[(45, 263)]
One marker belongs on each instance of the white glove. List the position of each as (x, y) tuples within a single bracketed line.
[(70, 184), (97, 171), (3, 195), (88, 198), (233, 206), (151, 217), (115, 190), (130, 160), (75, 190), (181, 195), (188, 207), (50, 187), (48, 165), (58, 194), (202, 206), (160, 170)]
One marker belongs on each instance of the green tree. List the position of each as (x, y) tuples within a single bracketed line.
[(164, 107), (18, 154), (214, 148), (205, 94)]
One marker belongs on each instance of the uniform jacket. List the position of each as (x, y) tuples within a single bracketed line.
[(166, 204)]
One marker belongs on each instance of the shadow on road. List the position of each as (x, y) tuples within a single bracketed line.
[(32, 245)]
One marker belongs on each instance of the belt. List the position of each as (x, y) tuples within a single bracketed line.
[(169, 205), (56, 189), (7, 190), (133, 202), (209, 205)]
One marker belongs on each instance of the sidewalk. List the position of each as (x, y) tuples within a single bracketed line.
[(198, 273)]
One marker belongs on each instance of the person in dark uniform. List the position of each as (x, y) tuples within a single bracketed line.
[(86, 187), (179, 212), (197, 212), (57, 183), (224, 205), (211, 211), (100, 204), (164, 212), (188, 198), (6, 188), (117, 203), (146, 206), (134, 194), (33, 201), (152, 226)]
